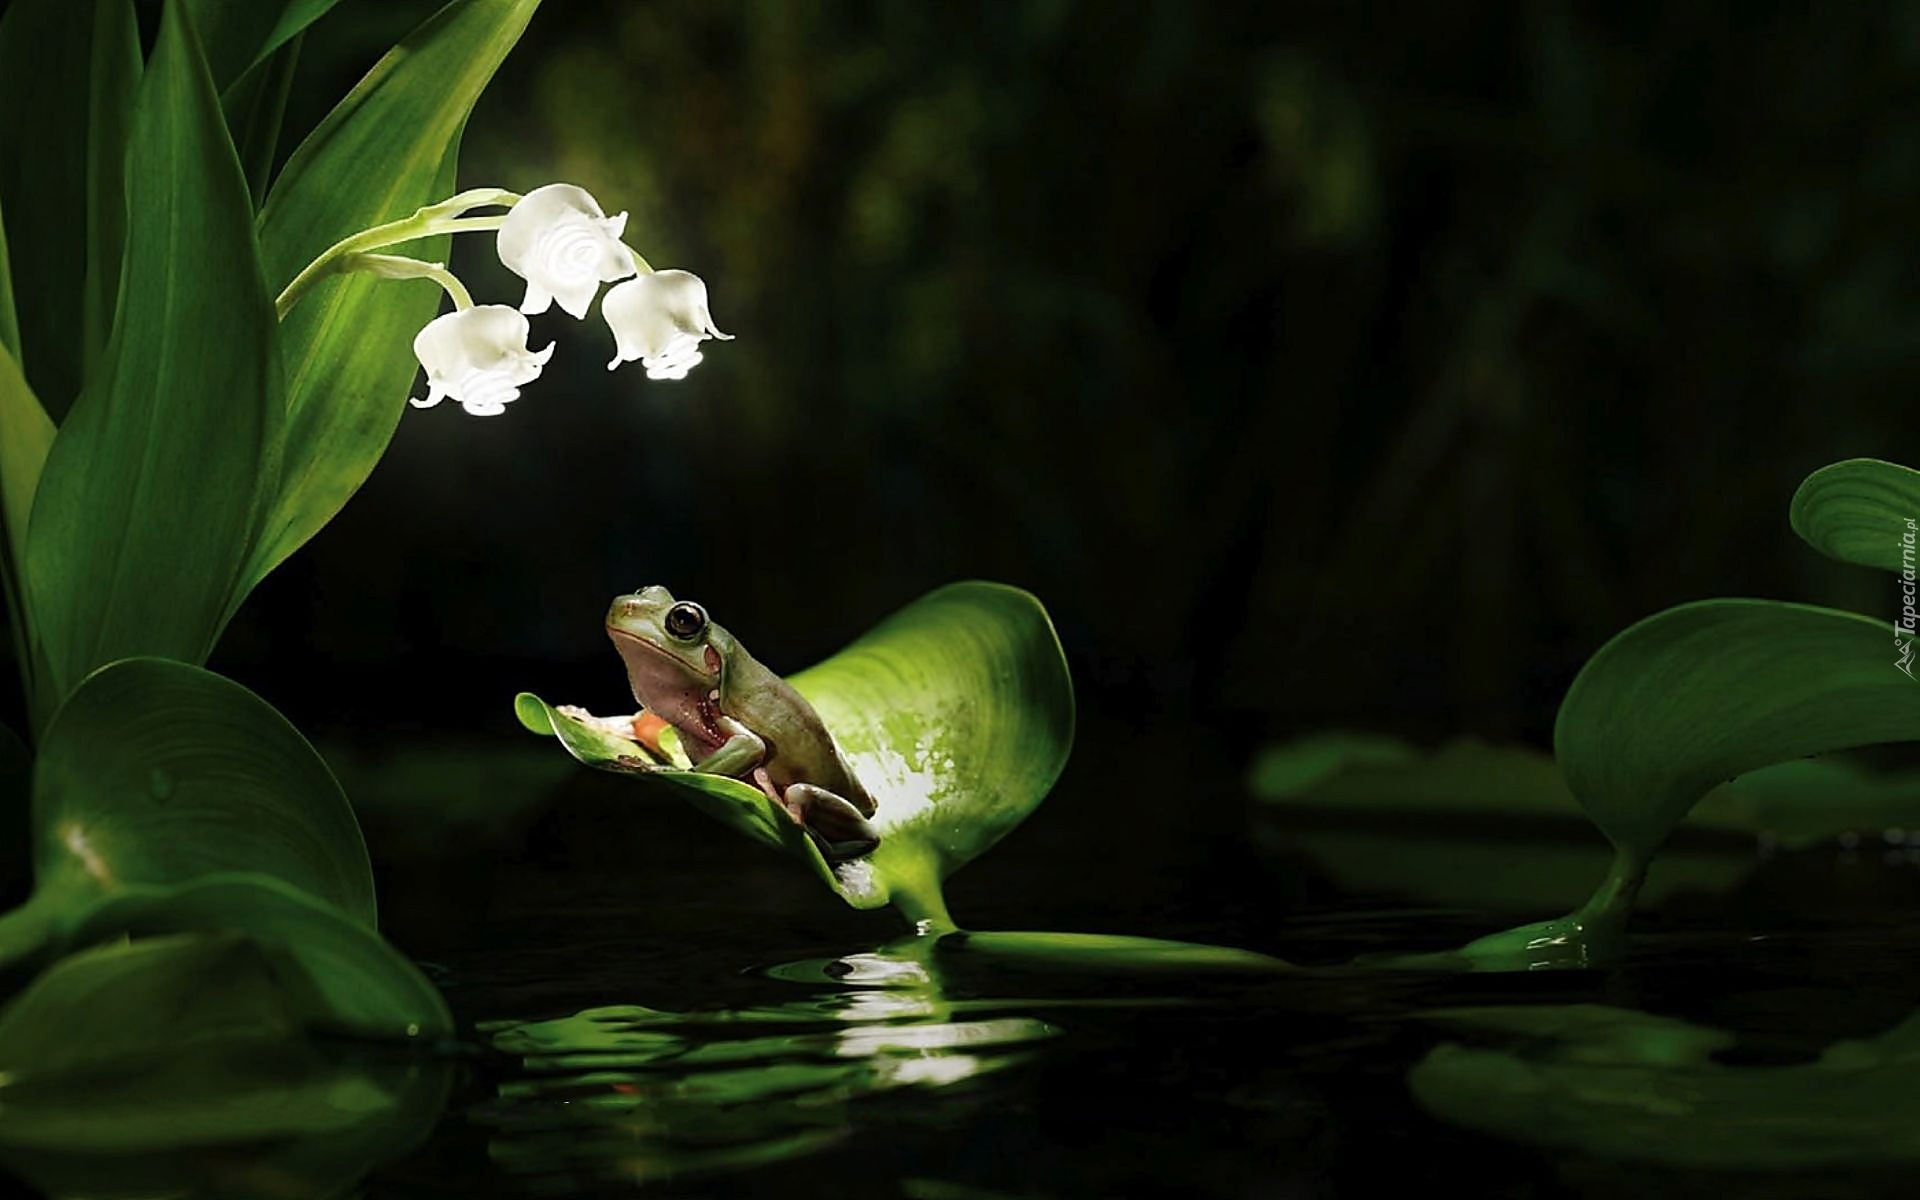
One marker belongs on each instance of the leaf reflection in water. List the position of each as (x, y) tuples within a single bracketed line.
[(637, 1094)]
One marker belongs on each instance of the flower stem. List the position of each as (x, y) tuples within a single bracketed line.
[(395, 266), (448, 216)]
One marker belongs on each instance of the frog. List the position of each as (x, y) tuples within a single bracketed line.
[(736, 717)]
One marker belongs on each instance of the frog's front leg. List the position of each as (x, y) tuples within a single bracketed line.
[(740, 753), (831, 819)]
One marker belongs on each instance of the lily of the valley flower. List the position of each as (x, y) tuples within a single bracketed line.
[(559, 241), (660, 318), (479, 357)]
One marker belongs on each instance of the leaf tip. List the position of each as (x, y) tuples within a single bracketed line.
[(533, 714)]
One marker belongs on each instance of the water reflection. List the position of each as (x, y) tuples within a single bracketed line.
[(635, 1094)]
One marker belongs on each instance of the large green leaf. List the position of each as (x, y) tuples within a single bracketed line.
[(345, 978), (1701, 693), (1684, 700), (186, 1060), (1630, 1086), (67, 72), (1861, 511), (155, 772), (386, 150), (146, 509), (956, 713)]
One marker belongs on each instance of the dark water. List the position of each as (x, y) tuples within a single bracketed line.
[(650, 1005), (695, 1072)]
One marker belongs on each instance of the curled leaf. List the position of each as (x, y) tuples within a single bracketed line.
[(1859, 511), (956, 713)]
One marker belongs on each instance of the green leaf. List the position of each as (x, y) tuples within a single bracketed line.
[(1809, 801), (387, 149), (126, 1025), (155, 772), (61, 150), (146, 508), (241, 34), (1628, 1086), (1468, 825), (1860, 511), (26, 435), (1701, 693), (9, 311), (205, 1037), (114, 85), (344, 978), (956, 713), (255, 106), (1680, 702)]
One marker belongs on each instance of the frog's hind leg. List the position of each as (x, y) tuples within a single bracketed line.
[(832, 821)]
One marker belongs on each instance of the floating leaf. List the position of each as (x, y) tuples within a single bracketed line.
[(1630, 1086), (1473, 824), (1809, 801), (384, 151), (146, 509), (956, 713), (155, 772), (1860, 511)]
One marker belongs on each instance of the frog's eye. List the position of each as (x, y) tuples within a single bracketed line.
[(686, 620)]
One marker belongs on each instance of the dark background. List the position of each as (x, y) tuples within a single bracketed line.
[(1317, 364)]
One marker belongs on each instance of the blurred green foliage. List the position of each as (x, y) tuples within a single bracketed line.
[(1318, 363)]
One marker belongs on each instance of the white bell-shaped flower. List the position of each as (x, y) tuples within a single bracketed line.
[(479, 357), (559, 241), (660, 318)]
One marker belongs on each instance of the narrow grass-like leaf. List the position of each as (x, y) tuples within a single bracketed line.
[(26, 435), (255, 106), (146, 510), (241, 34), (59, 190), (386, 150), (1860, 511), (113, 84), (956, 713), (9, 312), (155, 772)]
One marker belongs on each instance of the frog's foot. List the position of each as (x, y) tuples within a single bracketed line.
[(621, 727), (829, 818)]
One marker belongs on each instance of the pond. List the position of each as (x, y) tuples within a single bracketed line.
[(658, 1007)]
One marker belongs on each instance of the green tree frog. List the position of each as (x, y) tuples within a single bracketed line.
[(737, 718)]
